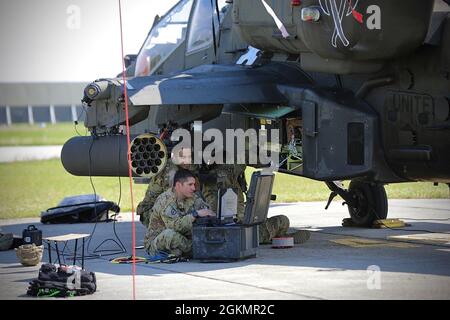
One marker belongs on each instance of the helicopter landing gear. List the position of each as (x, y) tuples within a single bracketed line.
[(369, 203), (366, 202)]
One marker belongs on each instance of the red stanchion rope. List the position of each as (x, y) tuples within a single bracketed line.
[(125, 92)]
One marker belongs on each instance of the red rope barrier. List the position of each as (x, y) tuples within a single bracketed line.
[(133, 249)]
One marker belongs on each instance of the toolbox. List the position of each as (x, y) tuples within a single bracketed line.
[(224, 243)]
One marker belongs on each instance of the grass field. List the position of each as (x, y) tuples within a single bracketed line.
[(31, 187), (35, 135)]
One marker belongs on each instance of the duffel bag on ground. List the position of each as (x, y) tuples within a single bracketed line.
[(62, 281)]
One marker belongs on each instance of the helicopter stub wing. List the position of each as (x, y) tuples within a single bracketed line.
[(212, 84)]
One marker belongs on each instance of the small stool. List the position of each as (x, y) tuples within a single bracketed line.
[(66, 238)]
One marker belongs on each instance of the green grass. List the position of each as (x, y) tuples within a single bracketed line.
[(292, 189), (31, 187), (34, 135)]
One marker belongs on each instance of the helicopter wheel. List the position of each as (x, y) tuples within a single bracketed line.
[(371, 203)]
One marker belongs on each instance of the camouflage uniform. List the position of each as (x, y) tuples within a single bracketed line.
[(226, 176), (219, 176), (223, 176), (276, 226), (170, 225), (158, 184)]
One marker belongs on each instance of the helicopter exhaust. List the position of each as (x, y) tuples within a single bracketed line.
[(107, 156)]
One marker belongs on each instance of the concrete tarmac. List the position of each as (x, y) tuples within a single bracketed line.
[(336, 263), (29, 153)]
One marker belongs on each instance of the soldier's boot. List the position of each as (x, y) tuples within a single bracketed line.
[(300, 236), (180, 254), (176, 252), (188, 255)]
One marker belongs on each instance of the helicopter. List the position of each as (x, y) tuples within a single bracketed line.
[(358, 89)]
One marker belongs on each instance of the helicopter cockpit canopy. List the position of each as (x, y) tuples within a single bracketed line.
[(172, 30), (164, 38)]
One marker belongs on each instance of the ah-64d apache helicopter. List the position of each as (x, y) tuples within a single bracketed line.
[(360, 90)]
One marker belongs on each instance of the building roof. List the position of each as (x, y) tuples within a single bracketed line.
[(36, 94)]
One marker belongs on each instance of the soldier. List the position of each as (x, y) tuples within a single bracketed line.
[(212, 178), (278, 226), (223, 176), (158, 184), (163, 181), (233, 176), (171, 218)]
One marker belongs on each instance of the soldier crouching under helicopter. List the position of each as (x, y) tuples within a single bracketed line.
[(224, 176), (158, 184), (163, 181), (171, 218), (209, 179)]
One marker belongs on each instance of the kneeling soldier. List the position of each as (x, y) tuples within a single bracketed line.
[(171, 218)]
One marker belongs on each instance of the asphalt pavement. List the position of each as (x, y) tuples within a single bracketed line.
[(336, 263)]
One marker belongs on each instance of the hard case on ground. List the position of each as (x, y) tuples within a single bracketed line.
[(224, 243)]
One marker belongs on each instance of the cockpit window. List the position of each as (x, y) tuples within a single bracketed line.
[(164, 38), (201, 35)]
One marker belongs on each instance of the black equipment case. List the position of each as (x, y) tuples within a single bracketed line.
[(216, 242), (224, 243), (32, 235)]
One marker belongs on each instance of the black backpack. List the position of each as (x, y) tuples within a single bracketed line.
[(83, 208), (62, 281)]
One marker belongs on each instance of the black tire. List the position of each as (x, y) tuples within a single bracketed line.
[(370, 203)]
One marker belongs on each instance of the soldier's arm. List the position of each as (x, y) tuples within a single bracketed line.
[(174, 219), (200, 202), (154, 189), (202, 207)]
